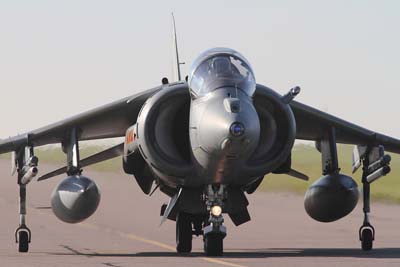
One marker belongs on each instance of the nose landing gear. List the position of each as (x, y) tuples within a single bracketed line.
[(214, 235), (209, 225), (214, 231)]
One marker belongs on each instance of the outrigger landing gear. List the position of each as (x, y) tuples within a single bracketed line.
[(367, 231), (214, 231), (22, 234), (26, 164), (375, 165)]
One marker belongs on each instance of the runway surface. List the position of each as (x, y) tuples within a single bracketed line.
[(125, 231)]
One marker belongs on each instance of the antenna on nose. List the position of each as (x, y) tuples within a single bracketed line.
[(178, 63)]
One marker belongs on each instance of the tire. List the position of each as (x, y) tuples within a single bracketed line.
[(213, 245), (23, 241), (366, 239), (183, 233)]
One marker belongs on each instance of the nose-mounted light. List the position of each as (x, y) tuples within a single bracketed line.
[(237, 129), (216, 210)]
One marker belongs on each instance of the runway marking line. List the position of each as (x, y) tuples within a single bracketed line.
[(159, 244)]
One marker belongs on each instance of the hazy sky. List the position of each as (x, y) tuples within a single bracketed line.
[(59, 58)]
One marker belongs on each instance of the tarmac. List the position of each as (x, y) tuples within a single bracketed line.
[(126, 231)]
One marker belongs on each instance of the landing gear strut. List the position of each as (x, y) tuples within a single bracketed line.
[(22, 234), (367, 231)]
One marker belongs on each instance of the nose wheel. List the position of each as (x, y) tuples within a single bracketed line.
[(214, 244)]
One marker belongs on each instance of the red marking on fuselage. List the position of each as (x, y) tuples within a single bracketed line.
[(130, 137)]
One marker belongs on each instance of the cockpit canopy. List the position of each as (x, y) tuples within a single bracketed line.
[(221, 67)]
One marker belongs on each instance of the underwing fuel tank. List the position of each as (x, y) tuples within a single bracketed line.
[(331, 197), (75, 199)]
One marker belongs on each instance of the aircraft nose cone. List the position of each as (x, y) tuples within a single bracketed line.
[(224, 132)]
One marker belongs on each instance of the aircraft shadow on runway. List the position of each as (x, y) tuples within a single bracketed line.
[(378, 253)]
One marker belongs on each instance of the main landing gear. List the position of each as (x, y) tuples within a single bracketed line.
[(187, 225), (210, 225), (183, 233)]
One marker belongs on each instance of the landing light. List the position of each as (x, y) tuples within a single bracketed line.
[(216, 211)]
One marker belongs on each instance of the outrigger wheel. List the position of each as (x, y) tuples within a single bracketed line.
[(367, 236), (183, 233), (23, 244), (23, 238)]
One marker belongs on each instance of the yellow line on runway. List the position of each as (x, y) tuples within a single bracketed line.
[(161, 245), (148, 241), (222, 262)]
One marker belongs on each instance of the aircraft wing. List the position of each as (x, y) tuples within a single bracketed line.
[(313, 124), (107, 121)]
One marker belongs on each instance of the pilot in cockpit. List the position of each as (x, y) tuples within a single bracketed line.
[(222, 67)]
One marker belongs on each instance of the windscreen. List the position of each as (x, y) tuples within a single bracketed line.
[(222, 70)]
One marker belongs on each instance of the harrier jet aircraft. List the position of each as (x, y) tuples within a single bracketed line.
[(206, 142)]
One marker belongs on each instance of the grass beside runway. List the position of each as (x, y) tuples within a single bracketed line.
[(305, 158)]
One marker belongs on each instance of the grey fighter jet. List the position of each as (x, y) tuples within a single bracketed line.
[(206, 142)]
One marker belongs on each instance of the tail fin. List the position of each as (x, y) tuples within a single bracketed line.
[(178, 63)]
